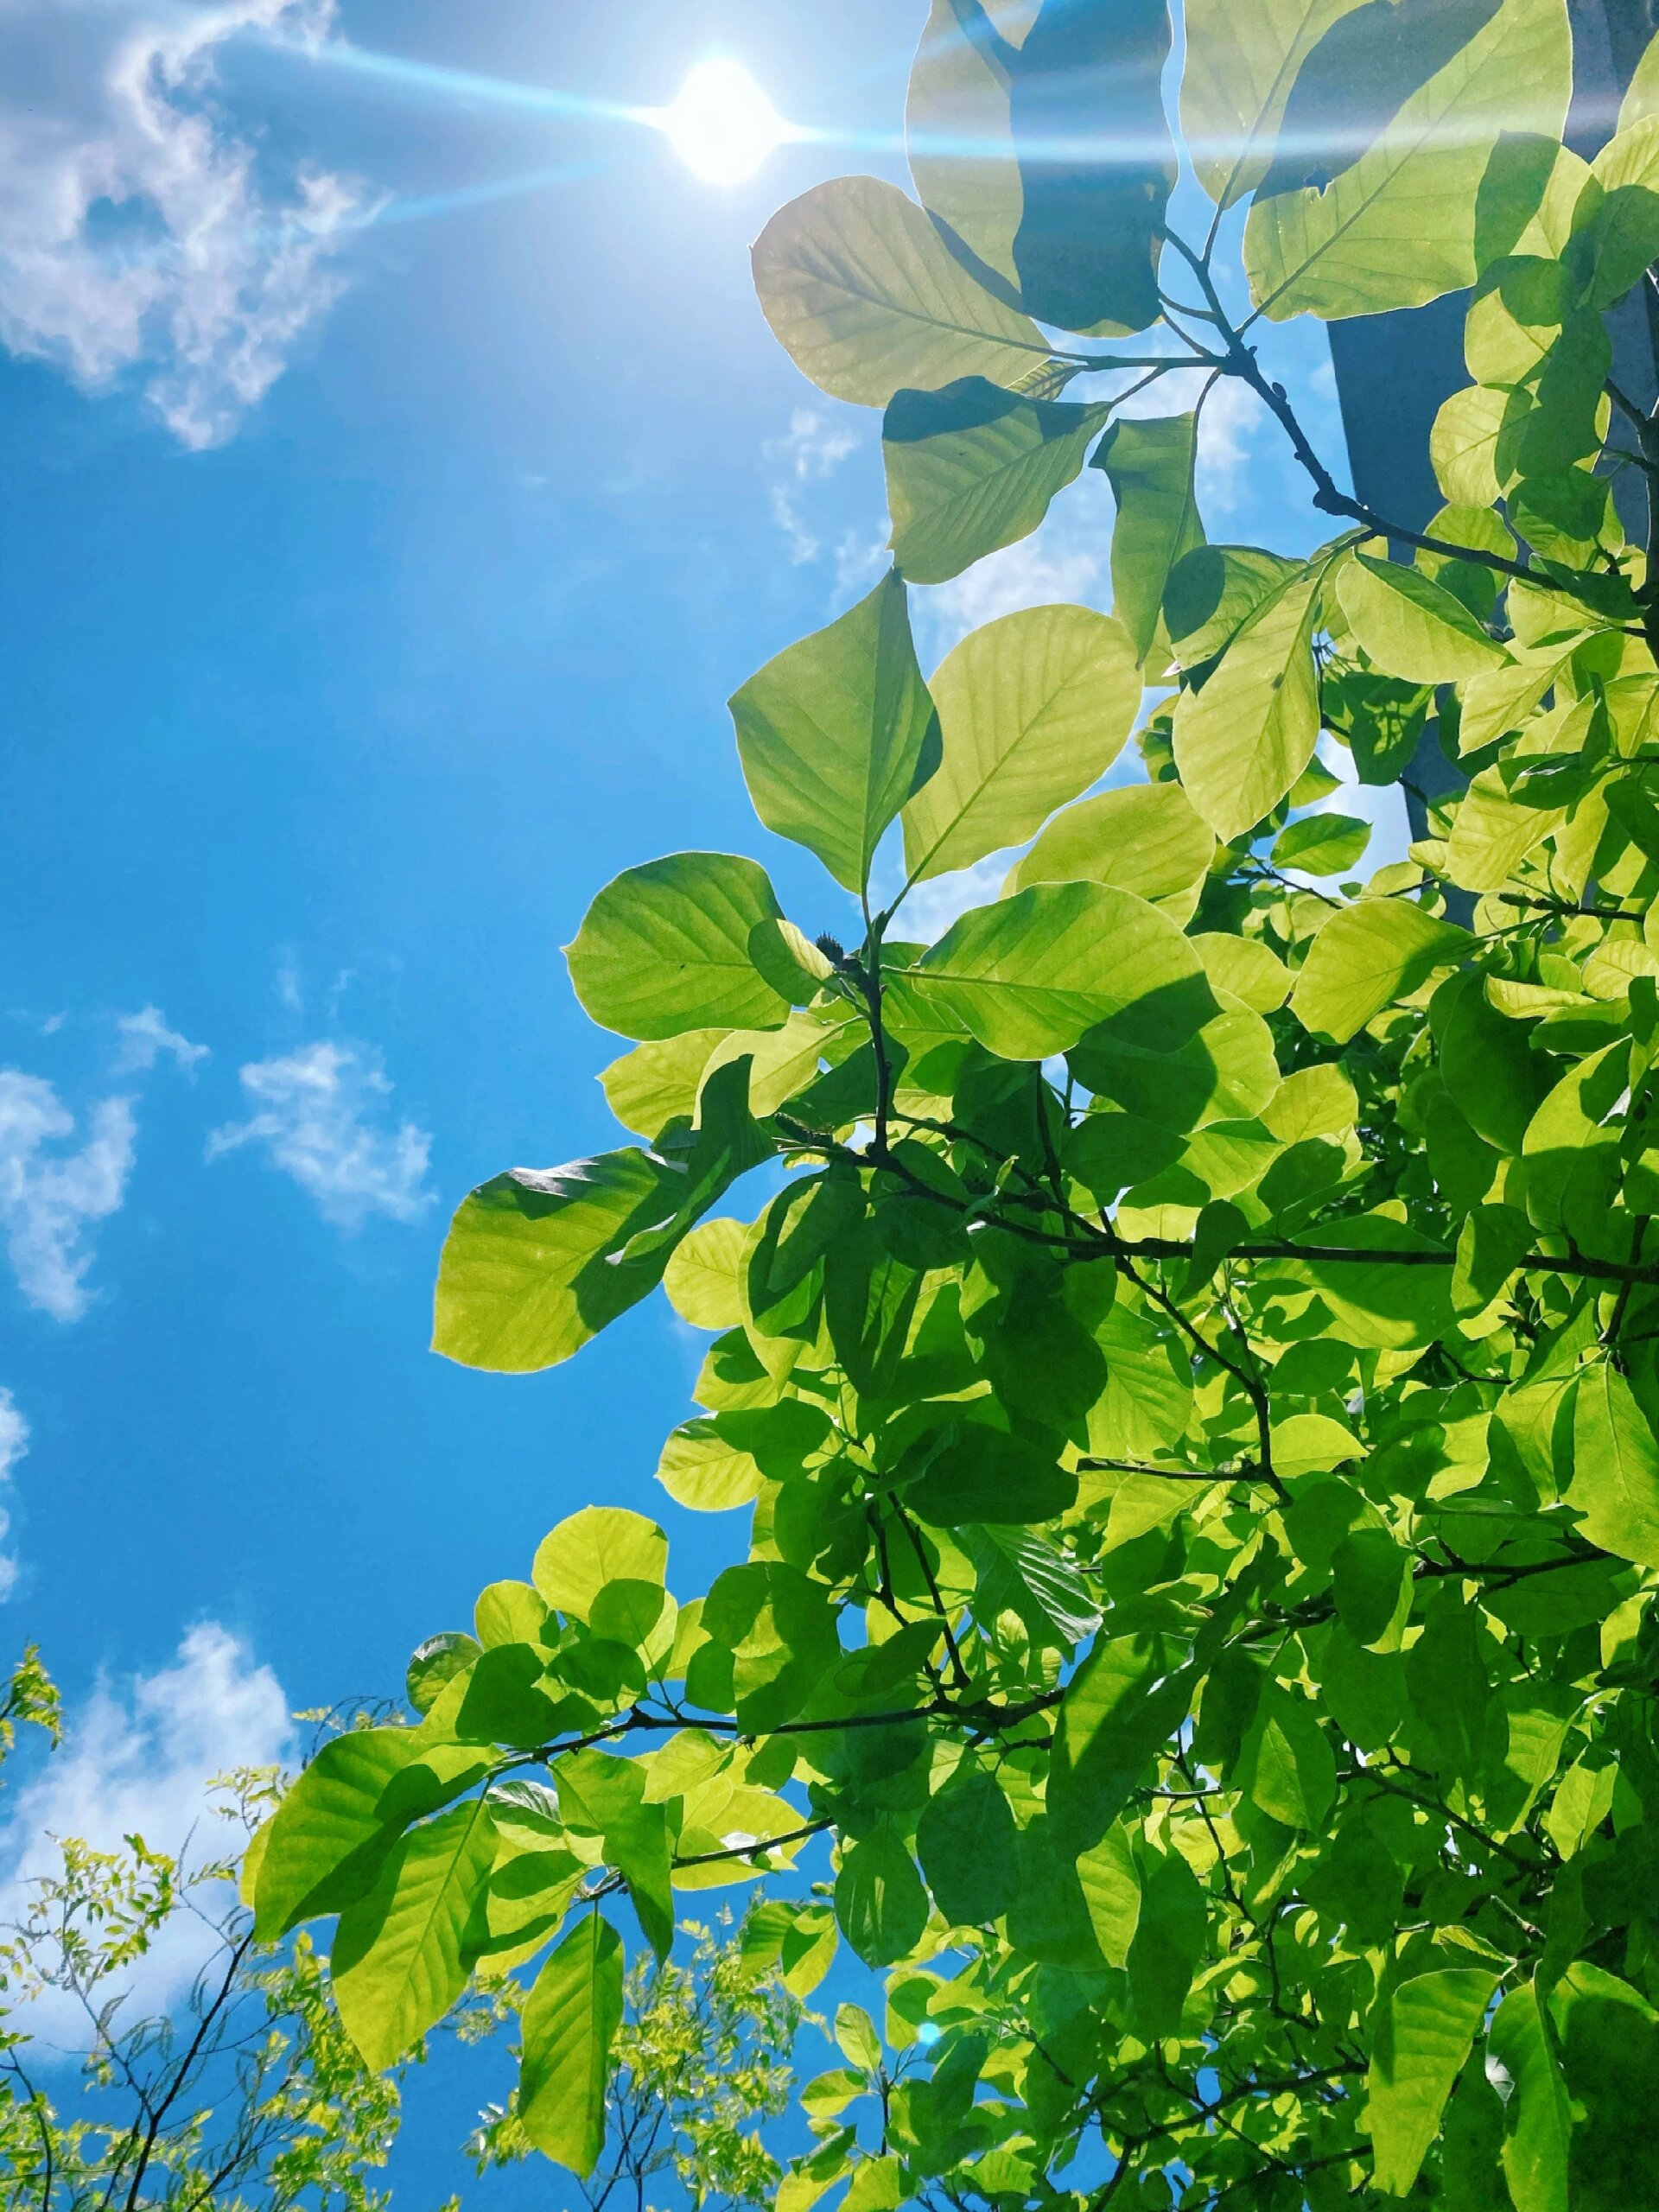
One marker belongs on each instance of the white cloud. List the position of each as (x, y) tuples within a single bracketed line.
[(317, 1114), (14, 1442), (1066, 559), (932, 907), (859, 561), (811, 453), (145, 1036), (137, 1762), (49, 1197), (136, 227)]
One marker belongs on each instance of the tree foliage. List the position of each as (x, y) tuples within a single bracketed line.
[(1194, 1391), (247, 2096)]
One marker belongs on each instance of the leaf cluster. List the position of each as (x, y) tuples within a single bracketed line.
[(1193, 1395)]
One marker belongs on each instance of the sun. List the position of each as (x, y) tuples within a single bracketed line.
[(721, 124)]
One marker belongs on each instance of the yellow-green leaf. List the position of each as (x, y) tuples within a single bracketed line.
[(1032, 708)]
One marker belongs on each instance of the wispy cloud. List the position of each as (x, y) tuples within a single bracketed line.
[(145, 1036), (136, 229), (813, 450), (14, 1442), (320, 1118), (932, 907), (51, 1196), (138, 1761), (1066, 559)]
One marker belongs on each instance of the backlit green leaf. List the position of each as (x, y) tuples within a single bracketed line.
[(976, 1473), (1005, 113), (1422, 2041), (402, 1953), (966, 1842), (1149, 461), (1410, 627), (836, 732), (879, 1902), (1145, 838), (1615, 1468), (1394, 224), (1030, 975), (1032, 708), (865, 297), (972, 468), (1242, 740), (1367, 956), (601, 1544), (1241, 67), (664, 948), (570, 2025)]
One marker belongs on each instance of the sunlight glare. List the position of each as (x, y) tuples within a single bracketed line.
[(722, 127)]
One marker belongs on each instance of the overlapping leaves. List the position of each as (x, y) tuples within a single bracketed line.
[(1193, 1384)]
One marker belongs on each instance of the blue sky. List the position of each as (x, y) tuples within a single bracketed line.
[(398, 479)]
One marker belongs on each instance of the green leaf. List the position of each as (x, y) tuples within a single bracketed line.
[(664, 948), (838, 731), (1145, 838), (1001, 125), (1032, 708), (966, 1840), (509, 1612), (1372, 1583), (972, 468), (881, 1904), (1111, 1892), (1149, 462), (866, 298), (434, 1662), (1463, 445), (1609, 2054), (1015, 1570), (1616, 223), (657, 1082), (1030, 975), (1493, 1241), (1169, 1940), (601, 1544), (1241, 64), (538, 1261), (332, 1831), (1396, 225), (1367, 956), (1411, 626), (855, 2035), (1211, 593), (527, 1275), (1615, 1468), (569, 2026), (1287, 1767), (1322, 844), (1571, 1147), (1126, 1700), (602, 1794), (403, 1953), (1392, 1305), (1421, 2044), (971, 1473), (703, 1280), (1242, 740), (503, 1702), (1242, 967), (700, 1469)]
